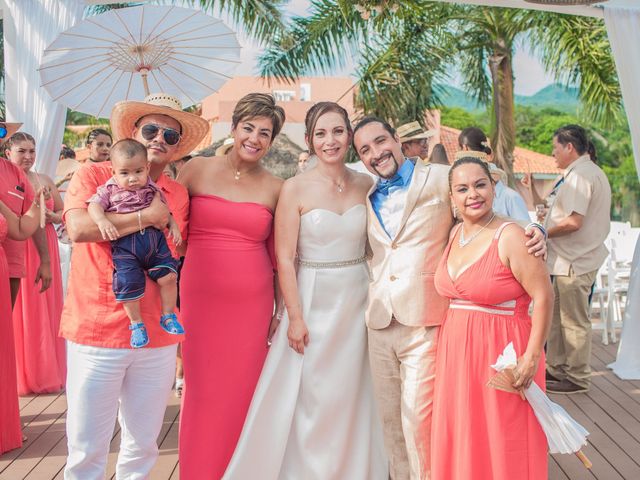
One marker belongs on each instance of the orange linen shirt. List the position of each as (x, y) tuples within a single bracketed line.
[(17, 194), (91, 315)]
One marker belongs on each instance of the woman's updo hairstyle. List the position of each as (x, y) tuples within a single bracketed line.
[(318, 110), (95, 132), (18, 137), (470, 161), (474, 139)]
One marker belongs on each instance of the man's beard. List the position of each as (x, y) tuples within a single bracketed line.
[(395, 170)]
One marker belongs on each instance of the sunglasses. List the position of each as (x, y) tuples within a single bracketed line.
[(150, 131)]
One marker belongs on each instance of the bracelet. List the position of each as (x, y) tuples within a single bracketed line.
[(539, 227), (142, 230)]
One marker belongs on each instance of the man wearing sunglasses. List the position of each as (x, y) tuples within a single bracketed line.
[(106, 377)]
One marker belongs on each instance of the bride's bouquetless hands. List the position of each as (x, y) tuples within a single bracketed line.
[(298, 335)]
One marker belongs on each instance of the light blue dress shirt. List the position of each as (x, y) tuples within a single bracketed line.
[(377, 197), (509, 203)]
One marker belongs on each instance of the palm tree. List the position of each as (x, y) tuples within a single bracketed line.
[(574, 49), (400, 52), (410, 45)]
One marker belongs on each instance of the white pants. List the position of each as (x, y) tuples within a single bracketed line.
[(103, 382)]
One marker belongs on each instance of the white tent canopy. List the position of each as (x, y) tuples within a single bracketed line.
[(31, 24)]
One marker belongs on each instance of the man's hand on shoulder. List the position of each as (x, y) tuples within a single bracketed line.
[(537, 243)]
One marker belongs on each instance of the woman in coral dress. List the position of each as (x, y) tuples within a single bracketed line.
[(480, 433), (227, 287), (17, 229), (40, 352)]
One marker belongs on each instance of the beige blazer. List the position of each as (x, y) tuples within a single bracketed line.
[(403, 267)]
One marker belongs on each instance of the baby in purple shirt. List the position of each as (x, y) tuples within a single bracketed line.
[(144, 252)]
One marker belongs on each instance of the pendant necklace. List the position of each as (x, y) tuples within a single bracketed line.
[(237, 173), (462, 242), (340, 186)]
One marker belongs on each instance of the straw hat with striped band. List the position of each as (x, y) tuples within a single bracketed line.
[(413, 131), (125, 115)]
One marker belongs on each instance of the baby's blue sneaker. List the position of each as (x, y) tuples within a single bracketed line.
[(170, 324), (139, 337)]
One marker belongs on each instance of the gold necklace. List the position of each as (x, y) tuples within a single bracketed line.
[(237, 173)]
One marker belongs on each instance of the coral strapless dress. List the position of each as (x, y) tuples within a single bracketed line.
[(226, 291)]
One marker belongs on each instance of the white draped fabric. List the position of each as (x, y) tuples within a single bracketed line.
[(627, 364), (623, 28), (29, 27)]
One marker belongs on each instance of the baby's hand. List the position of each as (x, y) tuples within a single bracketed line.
[(174, 233), (108, 230)]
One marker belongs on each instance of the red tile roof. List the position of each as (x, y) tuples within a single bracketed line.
[(525, 160)]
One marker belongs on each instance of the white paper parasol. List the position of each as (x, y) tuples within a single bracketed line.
[(564, 434), (127, 53)]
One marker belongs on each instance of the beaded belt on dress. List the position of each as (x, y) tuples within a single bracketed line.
[(340, 264), (504, 308)]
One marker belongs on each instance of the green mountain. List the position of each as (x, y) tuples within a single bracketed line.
[(556, 96)]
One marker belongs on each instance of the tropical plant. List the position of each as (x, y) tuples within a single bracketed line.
[(400, 49), (403, 47), (574, 49)]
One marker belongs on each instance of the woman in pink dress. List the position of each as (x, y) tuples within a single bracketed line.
[(17, 229), (227, 287), (40, 352), (480, 433)]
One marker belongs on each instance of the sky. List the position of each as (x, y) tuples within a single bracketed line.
[(530, 77)]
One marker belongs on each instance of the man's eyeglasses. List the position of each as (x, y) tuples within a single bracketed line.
[(150, 131)]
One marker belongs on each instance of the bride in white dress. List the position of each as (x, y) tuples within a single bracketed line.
[(313, 414)]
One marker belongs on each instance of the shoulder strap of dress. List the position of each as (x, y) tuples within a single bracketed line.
[(456, 227), (500, 229)]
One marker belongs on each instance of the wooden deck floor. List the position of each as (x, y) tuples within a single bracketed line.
[(610, 411)]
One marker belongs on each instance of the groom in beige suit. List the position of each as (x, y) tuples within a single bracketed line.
[(409, 219)]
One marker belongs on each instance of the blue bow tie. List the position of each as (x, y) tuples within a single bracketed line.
[(384, 185)]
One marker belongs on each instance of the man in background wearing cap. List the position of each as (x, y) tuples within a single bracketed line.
[(414, 140), (105, 376)]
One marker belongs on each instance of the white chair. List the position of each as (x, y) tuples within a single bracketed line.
[(619, 228), (618, 287), (600, 300)]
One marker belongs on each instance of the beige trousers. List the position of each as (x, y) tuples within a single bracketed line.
[(569, 343), (403, 367)]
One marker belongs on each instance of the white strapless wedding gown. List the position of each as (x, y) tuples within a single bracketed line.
[(313, 416)]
